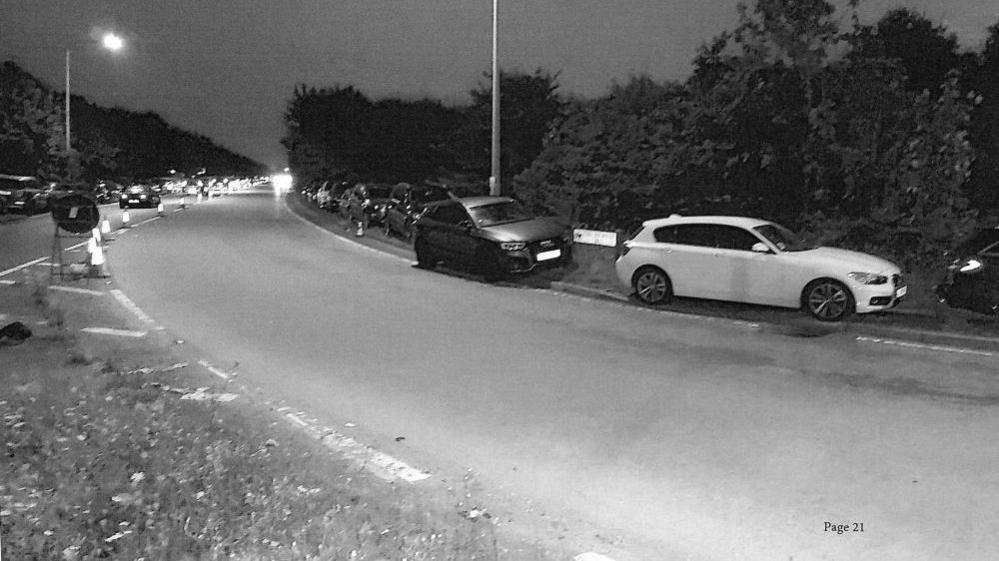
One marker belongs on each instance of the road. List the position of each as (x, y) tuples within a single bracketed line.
[(668, 437)]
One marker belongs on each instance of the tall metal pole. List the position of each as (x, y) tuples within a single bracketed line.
[(494, 179), (67, 101)]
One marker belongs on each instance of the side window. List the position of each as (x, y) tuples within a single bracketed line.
[(449, 214), (695, 234), (730, 237), (666, 234)]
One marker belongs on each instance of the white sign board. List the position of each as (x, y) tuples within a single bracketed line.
[(595, 237)]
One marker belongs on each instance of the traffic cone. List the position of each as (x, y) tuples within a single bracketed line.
[(199, 196), (105, 226), (360, 229), (97, 261), (159, 209), (91, 246), (96, 233), (183, 202), (125, 219)]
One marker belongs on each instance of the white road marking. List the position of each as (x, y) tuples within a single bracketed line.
[(8, 282), (125, 301), (24, 266), (148, 220), (115, 332), (77, 290), (378, 463), (910, 345), (213, 370)]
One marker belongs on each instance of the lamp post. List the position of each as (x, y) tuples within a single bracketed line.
[(494, 178), (111, 42)]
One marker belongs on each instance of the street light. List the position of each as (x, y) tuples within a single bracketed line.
[(111, 42), (494, 179)]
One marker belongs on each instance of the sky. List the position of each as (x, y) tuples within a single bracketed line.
[(226, 68)]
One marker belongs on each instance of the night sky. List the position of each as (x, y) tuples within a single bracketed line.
[(226, 68)]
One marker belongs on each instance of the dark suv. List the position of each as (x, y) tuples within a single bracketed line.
[(139, 196), (493, 236), (972, 280), (22, 193), (406, 204)]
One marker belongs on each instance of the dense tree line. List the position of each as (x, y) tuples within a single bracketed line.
[(875, 137), (338, 132), (106, 143)]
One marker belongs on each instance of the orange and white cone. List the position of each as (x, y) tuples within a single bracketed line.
[(199, 196), (96, 234), (125, 219), (105, 226), (159, 209), (183, 202)]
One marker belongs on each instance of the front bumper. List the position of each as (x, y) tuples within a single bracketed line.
[(534, 257), (879, 297)]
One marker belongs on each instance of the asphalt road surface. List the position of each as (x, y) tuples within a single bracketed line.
[(670, 437)]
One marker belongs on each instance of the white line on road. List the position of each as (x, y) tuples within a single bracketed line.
[(125, 301), (77, 290), (8, 282), (148, 220), (350, 241), (24, 266), (378, 463), (213, 370), (910, 345), (116, 332), (590, 556)]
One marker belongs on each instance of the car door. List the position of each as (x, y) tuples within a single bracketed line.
[(747, 275), (456, 231), (693, 261)]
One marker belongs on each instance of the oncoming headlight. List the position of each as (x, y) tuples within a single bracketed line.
[(512, 246), (868, 278)]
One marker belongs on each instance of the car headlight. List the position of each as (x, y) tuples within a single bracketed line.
[(868, 278), (970, 266), (142, 196), (512, 246)]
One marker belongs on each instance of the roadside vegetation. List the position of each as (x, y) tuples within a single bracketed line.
[(876, 137)]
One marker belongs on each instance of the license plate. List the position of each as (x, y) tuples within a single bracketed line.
[(549, 255), (900, 292)]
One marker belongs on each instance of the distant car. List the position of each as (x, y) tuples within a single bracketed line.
[(139, 195), (22, 193), (406, 204), (754, 261), (107, 191), (493, 236), (971, 281), (366, 204)]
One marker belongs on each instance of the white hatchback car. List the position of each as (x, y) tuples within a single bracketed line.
[(754, 261)]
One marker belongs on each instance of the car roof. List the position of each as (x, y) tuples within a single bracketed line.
[(741, 221)]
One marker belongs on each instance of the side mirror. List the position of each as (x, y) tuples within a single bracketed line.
[(760, 247)]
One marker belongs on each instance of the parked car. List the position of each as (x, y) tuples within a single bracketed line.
[(406, 204), (139, 195), (754, 261), (367, 203), (493, 236), (971, 281), (107, 191), (324, 195), (22, 193)]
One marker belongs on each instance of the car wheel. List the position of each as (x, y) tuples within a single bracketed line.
[(652, 286), (828, 300), (424, 259)]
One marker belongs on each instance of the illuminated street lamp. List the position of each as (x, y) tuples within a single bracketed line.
[(111, 42)]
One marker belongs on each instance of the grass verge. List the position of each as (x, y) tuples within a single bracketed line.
[(110, 454)]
